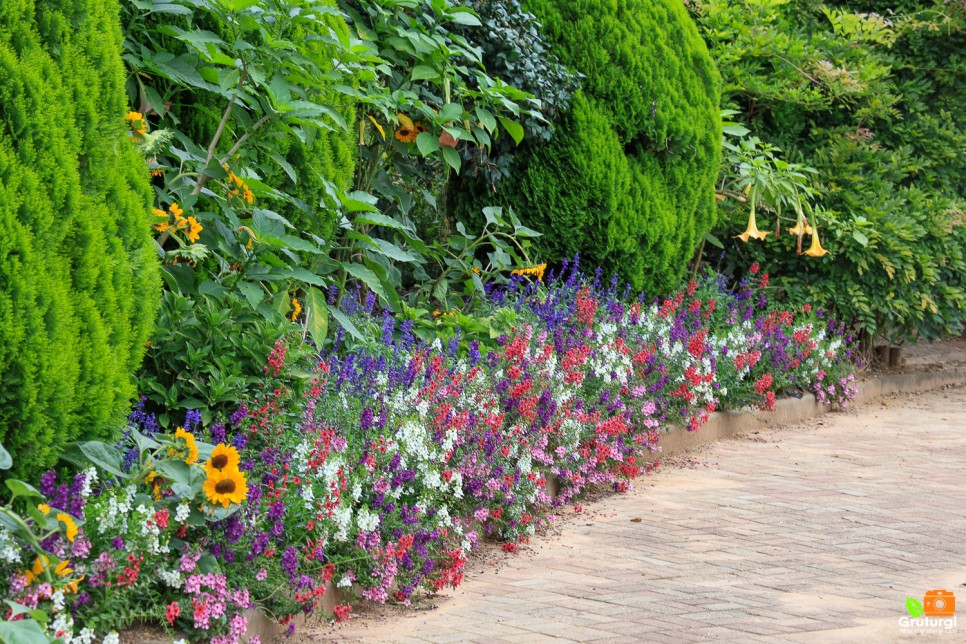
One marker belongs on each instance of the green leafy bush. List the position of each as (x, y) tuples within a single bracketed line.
[(628, 179), (871, 101), (78, 277)]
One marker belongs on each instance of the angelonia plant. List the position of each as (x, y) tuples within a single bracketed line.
[(378, 477)]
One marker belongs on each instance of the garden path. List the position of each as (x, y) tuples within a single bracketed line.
[(812, 532)]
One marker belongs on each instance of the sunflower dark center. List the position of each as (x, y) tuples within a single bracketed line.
[(226, 486), (219, 461)]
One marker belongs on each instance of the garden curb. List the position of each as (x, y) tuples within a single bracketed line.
[(729, 424), (721, 425)]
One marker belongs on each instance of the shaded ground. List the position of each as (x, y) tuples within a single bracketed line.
[(814, 532)]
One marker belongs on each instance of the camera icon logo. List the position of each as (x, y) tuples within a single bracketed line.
[(939, 603)]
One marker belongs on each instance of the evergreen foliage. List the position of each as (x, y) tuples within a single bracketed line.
[(78, 277), (628, 179)]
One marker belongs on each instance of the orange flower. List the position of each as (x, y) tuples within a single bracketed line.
[(193, 229), (223, 457), (225, 487), (407, 132)]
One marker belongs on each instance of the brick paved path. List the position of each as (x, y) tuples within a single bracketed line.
[(815, 532)]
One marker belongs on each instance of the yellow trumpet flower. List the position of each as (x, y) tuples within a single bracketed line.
[(801, 228), (815, 249), (752, 231)]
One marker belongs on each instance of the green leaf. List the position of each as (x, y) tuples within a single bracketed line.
[(19, 488), (424, 72), (6, 461), (144, 442), (451, 112), (427, 142), (316, 316), (734, 129), (104, 456), (358, 201), (914, 606), (486, 118), (377, 219), (368, 277), (252, 292), (25, 631), (347, 324), (860, 237), (392, 251), (464, 16), (514, 128), (714, 241), (452, 157)]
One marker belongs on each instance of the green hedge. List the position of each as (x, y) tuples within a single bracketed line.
[(79, 283), (628, 179)]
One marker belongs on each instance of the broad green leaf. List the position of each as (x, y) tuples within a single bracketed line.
[(734, 129), (104, 456), (424, 72), (860, 237), (358, 201), (452, 158), (346, 324), (25, 631), (714, 241), (427, 142), (451, 112), (514, 128), (464, 16), (368, 277), (19, 488), (252, 292), (377, 219), (392, 251), (307, 276), (316, 316), (486, 118)]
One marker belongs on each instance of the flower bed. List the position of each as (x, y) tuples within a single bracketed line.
[(391, 464)]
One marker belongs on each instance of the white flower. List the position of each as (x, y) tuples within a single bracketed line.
[(9, 549), (182, 513), (58, 600), (170, 577), (113, 638), (90, 478), (86, 636), (344, 582), (366, 520)]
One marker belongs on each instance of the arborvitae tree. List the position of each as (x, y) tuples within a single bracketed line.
[(79, 283), (628, 179)]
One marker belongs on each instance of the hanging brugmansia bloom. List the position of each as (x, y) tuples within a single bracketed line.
[(815, 249), (752, 230), (801, 228)]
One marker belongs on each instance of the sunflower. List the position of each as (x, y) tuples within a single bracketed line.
[(225, 487), (407, 131), (190, 445), (296, 309), (223, 457)]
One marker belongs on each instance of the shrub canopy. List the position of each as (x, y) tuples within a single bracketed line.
[(628, 179), (78, 276)]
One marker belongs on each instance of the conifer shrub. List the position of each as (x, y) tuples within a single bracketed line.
[(628, 178), (78, 275)]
